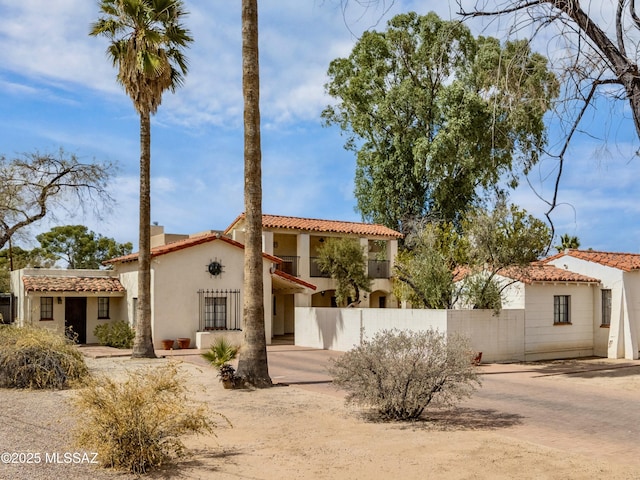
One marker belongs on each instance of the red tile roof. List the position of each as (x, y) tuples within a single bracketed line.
[(537, 272), (71, 284), (297, 280), (532, 273), (186, 243), (626, 262), (317, 225)]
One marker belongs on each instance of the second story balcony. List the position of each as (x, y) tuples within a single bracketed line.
[(314, 269), (379, 269), (289, 265)]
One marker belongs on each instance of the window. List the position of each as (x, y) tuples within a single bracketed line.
[(103, 307), (215, 313), (561, 309), (46, 308), (606, 308)]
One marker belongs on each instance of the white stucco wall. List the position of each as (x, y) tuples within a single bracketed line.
[(625, 307), (176, 279), (543, 339)]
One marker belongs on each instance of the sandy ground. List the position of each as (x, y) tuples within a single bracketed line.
[(296, 433)]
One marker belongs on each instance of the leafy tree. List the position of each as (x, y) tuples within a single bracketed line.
[(505, 237), (32, 185), (147, 43), (344, 260), (252, 363), (437, 117), (597, 55), (79, 247), (15, 258), (567, 241), (424, 270), (440, 266)]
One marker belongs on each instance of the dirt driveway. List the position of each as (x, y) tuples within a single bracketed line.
[(565, 420)]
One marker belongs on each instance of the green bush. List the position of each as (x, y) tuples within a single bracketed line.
[(38, 358), (135, 425), (399, 373), (115, 334)]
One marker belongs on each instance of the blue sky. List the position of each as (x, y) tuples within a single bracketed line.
[(58, 89)]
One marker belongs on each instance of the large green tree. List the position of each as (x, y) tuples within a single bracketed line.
[(437, 117), (79, 247), (35, 184), (252, 362), (344, 260), (147, 42)]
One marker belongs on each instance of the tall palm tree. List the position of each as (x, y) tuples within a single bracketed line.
[(146, 47), (567, 242), (252, 363)]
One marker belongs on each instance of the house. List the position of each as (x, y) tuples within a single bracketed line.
[(617, 303), (558, 304), (67, 299), (197, 282), (297, 240)]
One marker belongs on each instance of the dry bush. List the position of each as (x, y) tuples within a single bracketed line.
[(38, 358), (136, 424), (399, 373)]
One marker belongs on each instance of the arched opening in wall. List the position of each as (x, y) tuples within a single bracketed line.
[(324, 298), (379, 299)]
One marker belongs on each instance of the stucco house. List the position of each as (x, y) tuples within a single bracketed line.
[(616, 305), (558, 304), (197, 282), (297, 240)]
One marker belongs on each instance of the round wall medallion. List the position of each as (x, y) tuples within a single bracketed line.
[(215, 268)]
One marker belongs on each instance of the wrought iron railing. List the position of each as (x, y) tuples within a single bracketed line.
[(289, 264), (378, 268), (219, 310), (314, 269)]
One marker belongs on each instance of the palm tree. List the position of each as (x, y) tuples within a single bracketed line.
[(566, 242), (147, 40), (252, 363)]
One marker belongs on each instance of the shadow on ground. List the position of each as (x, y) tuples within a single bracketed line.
[(456, 419)]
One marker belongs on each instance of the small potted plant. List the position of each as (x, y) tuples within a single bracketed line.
[(219, 355)]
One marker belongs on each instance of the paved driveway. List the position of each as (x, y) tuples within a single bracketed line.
[(590, 407)]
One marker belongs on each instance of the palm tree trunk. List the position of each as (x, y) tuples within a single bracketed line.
[(143, 343), (252, 363)]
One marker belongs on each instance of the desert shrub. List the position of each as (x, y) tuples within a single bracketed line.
[(38, 358), (399, 373), (136, 424), (115, 334)]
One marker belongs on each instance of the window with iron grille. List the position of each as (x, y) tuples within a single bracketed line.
[(561, 309), (103, 307), (215, 313), (219, 309), (46, 308), (606, 307)]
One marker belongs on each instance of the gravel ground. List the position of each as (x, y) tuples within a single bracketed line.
[(293, 433), (35, 432)]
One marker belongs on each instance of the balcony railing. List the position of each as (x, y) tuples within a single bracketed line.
[(378, 268), (289, 265), (314, 269)]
